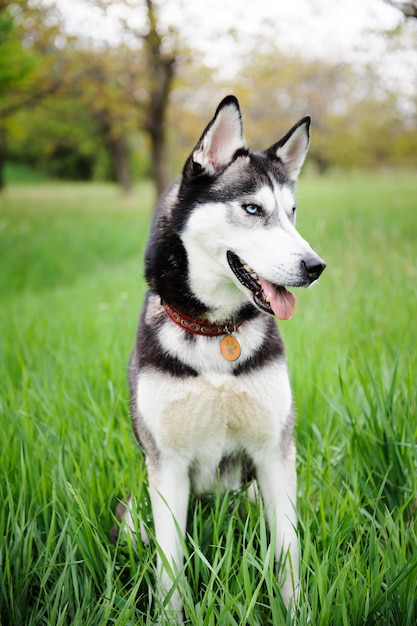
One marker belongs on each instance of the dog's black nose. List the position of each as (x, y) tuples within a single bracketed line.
[(313, 266)]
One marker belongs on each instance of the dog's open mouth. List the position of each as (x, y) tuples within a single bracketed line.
[(273, 299)]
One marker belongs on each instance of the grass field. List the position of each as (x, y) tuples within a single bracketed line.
[(70, 293)]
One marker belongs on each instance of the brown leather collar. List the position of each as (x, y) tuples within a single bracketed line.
[(198, 327)]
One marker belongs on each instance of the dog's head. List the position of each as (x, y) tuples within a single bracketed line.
[(236, 217)]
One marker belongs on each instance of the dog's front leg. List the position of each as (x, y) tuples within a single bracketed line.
[(169, 487), (276, 474)]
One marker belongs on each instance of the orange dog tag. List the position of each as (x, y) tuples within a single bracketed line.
[(230, 348)]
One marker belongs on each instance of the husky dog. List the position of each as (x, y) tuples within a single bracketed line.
[(210, 392)]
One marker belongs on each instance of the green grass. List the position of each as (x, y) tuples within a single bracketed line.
[(17, 173), (70, 293)]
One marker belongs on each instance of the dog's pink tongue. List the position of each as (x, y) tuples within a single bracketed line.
[(281, 300)]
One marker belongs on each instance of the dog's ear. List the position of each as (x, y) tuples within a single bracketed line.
[(292, 148), (220, 141)]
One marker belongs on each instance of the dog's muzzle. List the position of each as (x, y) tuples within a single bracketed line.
[(270, 297)]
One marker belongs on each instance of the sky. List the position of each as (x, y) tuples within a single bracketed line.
[(313, 27), (333, 29)]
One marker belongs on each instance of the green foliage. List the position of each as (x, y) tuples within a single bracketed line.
[(22, 174), (30, 66), (65, 141), (79, 110), (71, 285), (16, 62), (357, 120)]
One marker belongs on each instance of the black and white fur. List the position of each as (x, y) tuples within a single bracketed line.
[(230, 214)]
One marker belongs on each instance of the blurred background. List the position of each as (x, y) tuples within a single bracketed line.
[(121, 90)]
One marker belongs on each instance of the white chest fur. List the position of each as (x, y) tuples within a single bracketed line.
[(205, 417)]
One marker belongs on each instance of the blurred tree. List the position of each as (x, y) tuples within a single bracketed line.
[(126, 88), (77, 105), (32, 62), (357, 119), (105, 81), (135, 81), (123, 87), (161, 74), (60, 138), (16, 64)]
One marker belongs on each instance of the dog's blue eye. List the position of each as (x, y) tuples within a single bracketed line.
[(252, 209)]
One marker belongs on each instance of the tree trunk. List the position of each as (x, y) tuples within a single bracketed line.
[(118, 151), (162, 70), (119, 154), (159, 165), (157, 131)]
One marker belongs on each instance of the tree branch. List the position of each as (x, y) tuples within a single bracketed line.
[(29, 100)]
